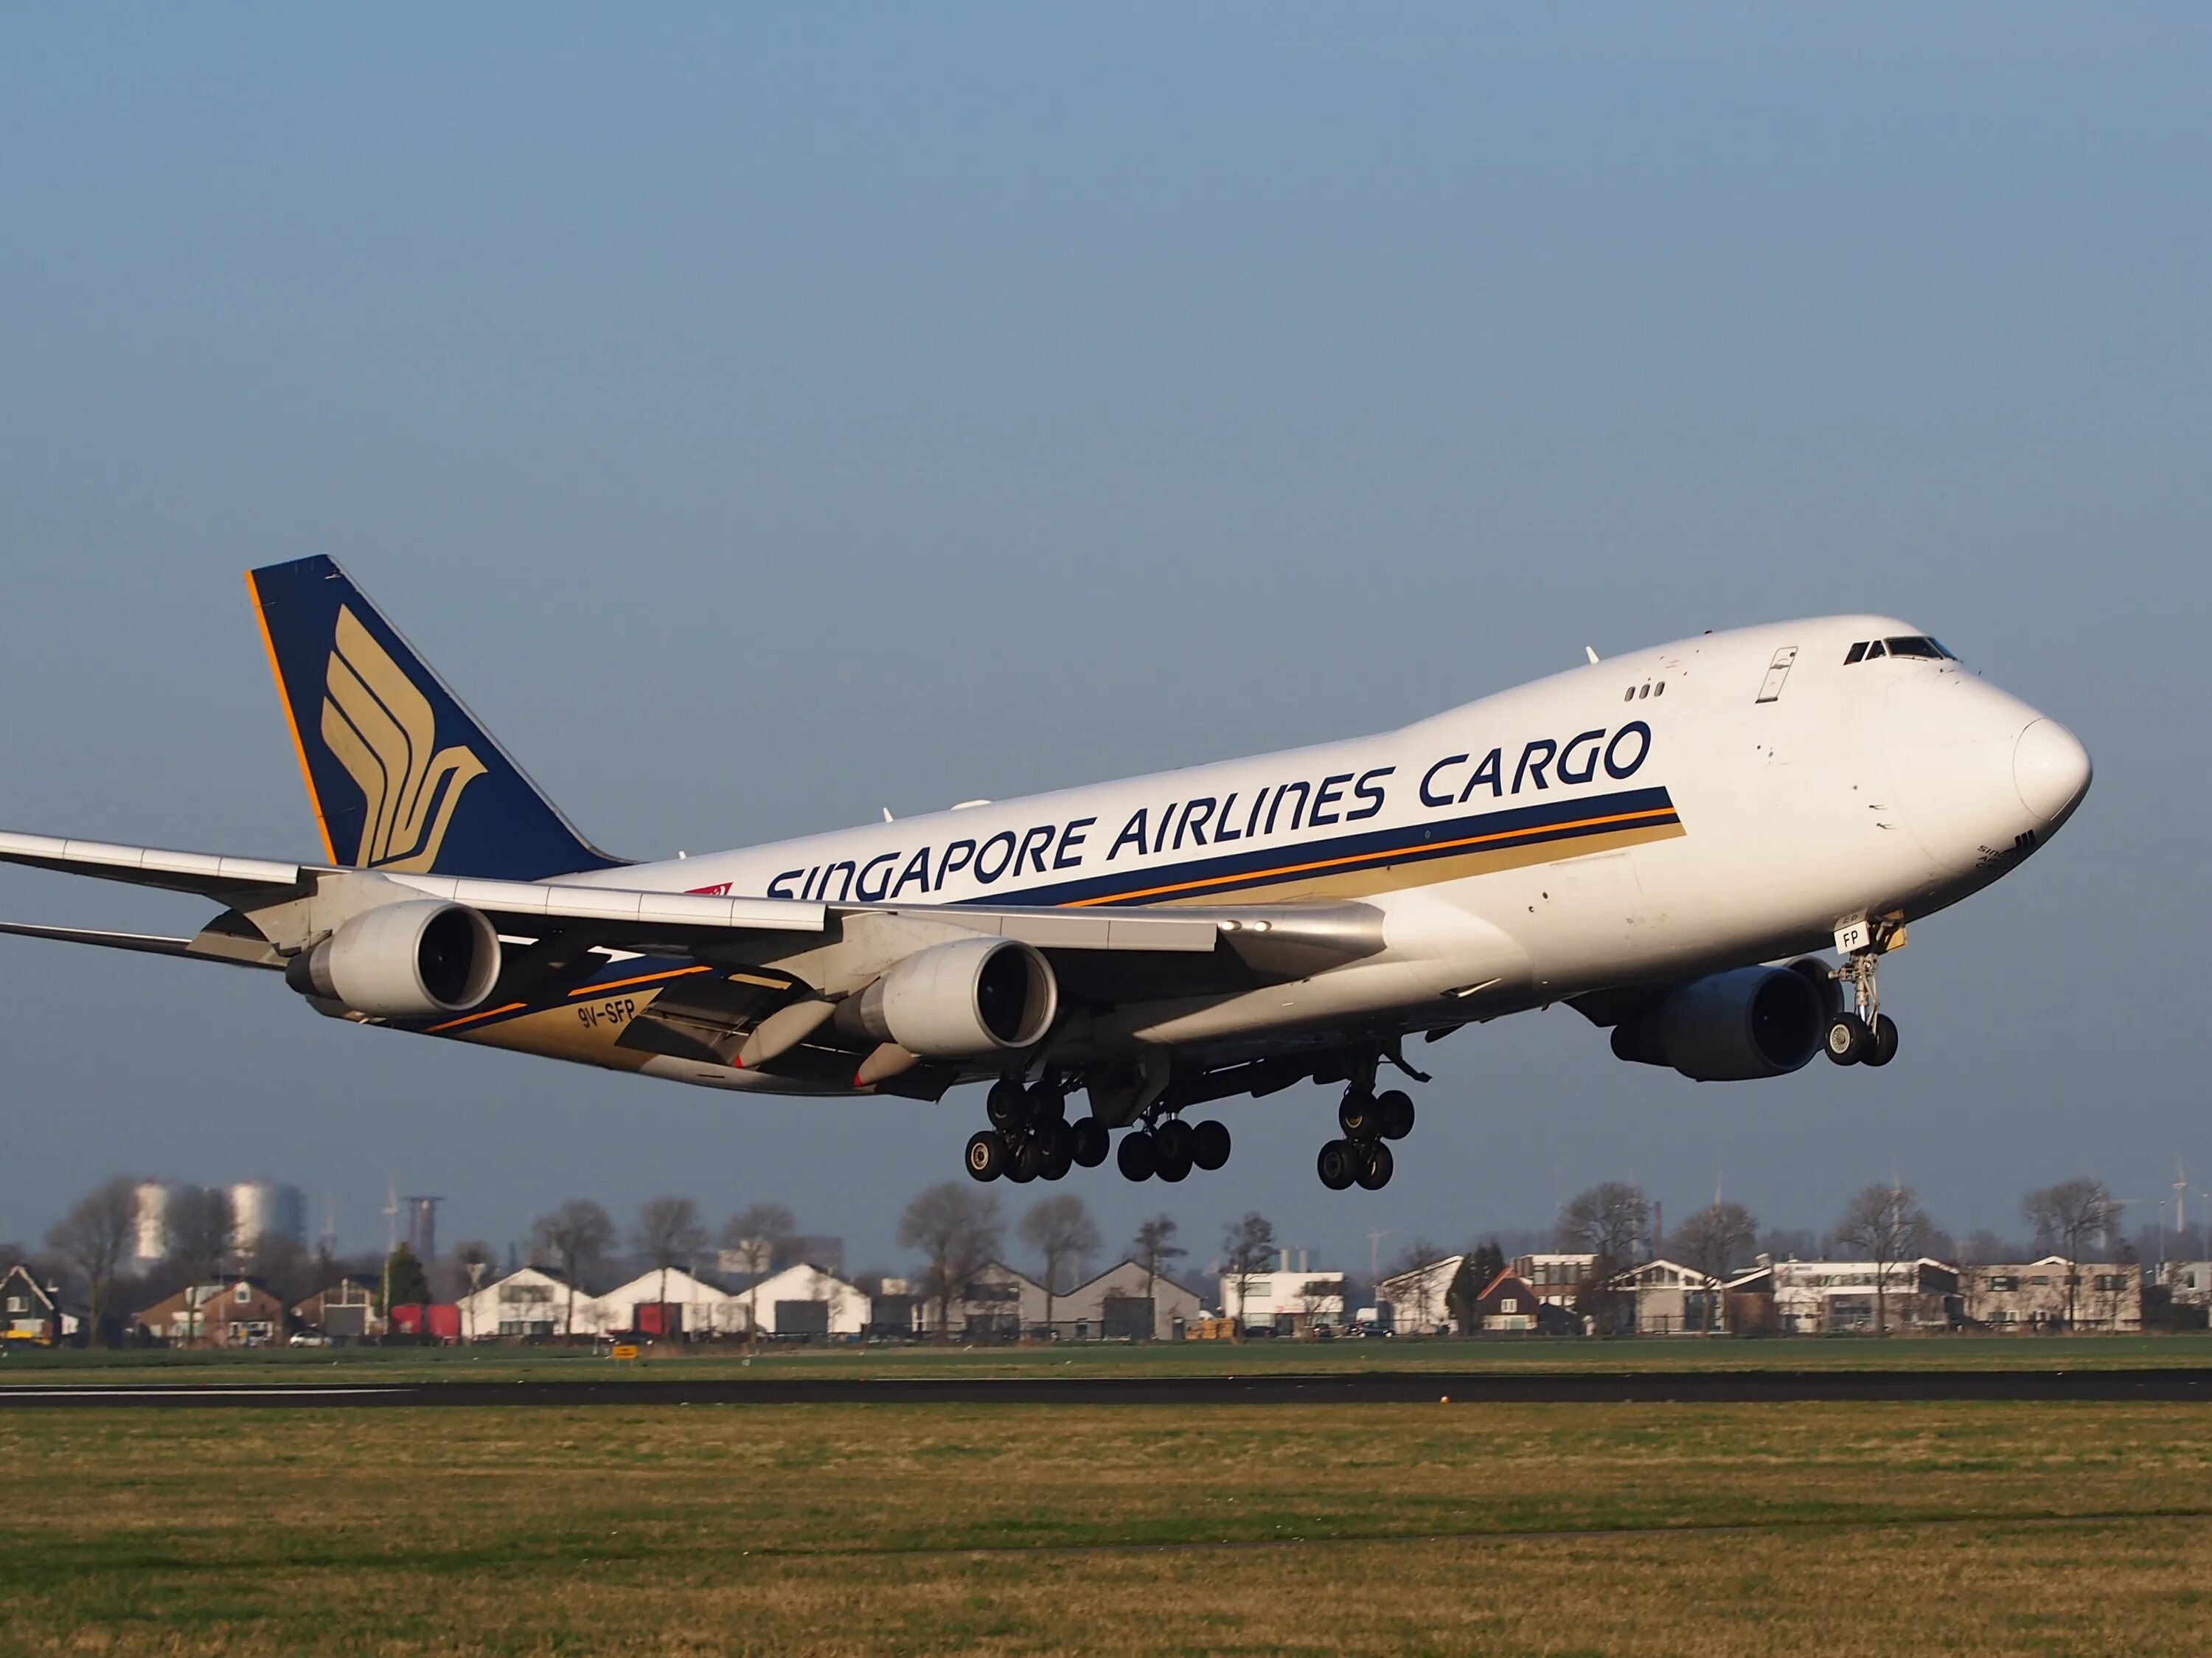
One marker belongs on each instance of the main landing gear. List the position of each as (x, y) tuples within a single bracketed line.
[(1861, 1034), (1030, 1139), (1368, 1120), (1170, 1147)]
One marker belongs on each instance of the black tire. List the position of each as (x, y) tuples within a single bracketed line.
[(1848, 1038), (986, 1156), (1007, 1103), (1024, 1161), (1172, 1152), (1090, 1142), (1394, 1113), (1376, 1167), (1882, 1048), (1338, 1165), (1046, 1105), (1356, 1115), (1057, 1161), (1209, 1145), (1135, 1155)]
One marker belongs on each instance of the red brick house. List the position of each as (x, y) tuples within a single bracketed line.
[(239, 1313)]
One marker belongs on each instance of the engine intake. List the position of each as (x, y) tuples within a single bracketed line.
[(409, 960), (955, 1001), (1730, 1027)]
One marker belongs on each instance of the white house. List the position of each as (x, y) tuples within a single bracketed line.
[(1419, 1298), (528, 1301), (802, 1301), (701, 1308)]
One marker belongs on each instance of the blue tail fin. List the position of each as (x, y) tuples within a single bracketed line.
[(400, 775)]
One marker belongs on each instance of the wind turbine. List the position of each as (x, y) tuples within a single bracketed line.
[(2180, 1197), (390, 1214)]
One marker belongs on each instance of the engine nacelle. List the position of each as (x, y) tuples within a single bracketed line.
[(409, 960), (1730, 1027), (956, 1001)]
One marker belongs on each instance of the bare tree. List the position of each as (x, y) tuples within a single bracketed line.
[(753, 1236), (1154, 1247), (1061, 1231), (577, 1232), (1247, 1246), (957, 1229), (1607, 1221), (282, 1262), (1713, 1240), (2071, 1215), (199, 1230), (1886, 1225), (94, 1237), (667, 1232)]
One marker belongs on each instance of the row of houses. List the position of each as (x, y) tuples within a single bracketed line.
[(995, 1303), (1561, 1293)]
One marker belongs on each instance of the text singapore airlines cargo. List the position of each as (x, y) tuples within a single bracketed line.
[(1663, 841)]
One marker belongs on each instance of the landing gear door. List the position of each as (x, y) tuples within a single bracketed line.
[(1770, 689)]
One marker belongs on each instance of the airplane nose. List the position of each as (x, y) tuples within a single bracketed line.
[(2049, 768)]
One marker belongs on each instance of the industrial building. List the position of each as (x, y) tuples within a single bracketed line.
[(2055, 1293), (1286, 1299)]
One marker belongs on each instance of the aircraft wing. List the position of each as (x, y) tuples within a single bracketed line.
[(1307, 937)]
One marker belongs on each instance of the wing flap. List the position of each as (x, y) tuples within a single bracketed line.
[(146, 944)]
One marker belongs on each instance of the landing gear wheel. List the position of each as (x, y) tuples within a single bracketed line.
[(1358, 1116), (986, 1156), (1883, 1047), (1209, 1145), (1089, 1141), (1376, 1167), (1045, 1105), (1058, 1140), (1007, 1104), (1171, 1150), (1135, 1155), (1339, 1165), (1849, 1039), (1393, 1112), (1024, 1161)]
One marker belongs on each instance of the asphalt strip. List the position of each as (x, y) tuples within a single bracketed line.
[(2175, 1384)]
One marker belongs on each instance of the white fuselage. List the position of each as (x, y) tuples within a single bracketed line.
[(1654, 816)]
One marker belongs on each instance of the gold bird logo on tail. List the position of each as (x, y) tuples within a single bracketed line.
[(381, 729)]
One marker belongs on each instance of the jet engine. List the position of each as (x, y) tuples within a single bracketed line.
[(959, 1000), (409, 960), (1729, 1028)]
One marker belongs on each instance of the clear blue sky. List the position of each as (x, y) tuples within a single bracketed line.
[(766, 417)]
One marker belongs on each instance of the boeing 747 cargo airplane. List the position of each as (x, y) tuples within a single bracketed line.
[(1665, 841)]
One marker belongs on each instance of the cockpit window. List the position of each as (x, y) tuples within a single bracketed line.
[(1855, 653), (1916, 644), (1874, 650)]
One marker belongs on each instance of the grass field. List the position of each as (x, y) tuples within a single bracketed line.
[(1446, 1528), (23, 1364)]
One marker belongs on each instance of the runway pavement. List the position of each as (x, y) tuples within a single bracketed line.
[(1490, 1387)]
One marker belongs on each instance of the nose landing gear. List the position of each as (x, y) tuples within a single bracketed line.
[(1861, 1034)]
